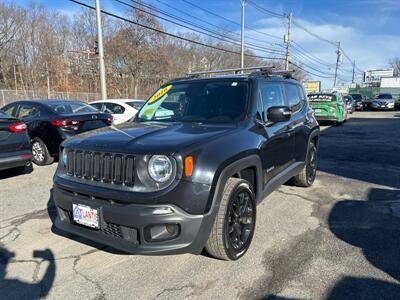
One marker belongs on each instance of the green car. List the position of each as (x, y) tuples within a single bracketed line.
[(328, 107)]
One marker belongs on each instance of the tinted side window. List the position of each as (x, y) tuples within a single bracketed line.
[(97, 105), (271, 95), (28, 110), (113, 108), (292, 94), (10, 110)]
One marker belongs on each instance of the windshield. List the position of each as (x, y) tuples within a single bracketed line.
[(136, 104), (321, 97), (384, 96), (71, 107), (198, 101), (357, 96)]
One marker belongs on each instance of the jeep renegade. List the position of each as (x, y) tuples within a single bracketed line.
[(188, 172)]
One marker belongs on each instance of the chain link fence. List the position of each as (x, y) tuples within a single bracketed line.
[(8, 96)]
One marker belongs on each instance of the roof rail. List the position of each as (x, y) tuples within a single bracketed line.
[(283, 73), (234, 70)]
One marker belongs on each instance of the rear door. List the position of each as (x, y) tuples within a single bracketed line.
[(117, 111), (298, 104), (32, 115), (278, 143)]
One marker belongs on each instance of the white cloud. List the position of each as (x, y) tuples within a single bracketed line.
[(369, 50)]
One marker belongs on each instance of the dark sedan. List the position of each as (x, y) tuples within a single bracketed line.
[(15, 148), (52, 121)]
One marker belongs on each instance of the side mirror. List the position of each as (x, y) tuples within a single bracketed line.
[(279, 114)]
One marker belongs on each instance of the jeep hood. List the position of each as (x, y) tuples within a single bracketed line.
[(147, 137)]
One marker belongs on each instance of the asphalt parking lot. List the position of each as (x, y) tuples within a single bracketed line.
[(337, 239)]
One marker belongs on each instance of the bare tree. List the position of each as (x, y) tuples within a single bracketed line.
[(395, 64)]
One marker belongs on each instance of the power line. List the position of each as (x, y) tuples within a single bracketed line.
[(266, 11), (304, 70), (171, 34), (313, 68), (212, 24), (229, 20), (307, 53), (297, 24), (194, 27)]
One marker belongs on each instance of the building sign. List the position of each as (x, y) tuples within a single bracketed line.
[(373, 77), (312, 86)]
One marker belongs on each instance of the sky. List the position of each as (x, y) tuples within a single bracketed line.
[(367, 29)]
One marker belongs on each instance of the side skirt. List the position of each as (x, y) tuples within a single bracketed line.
[(281, 178)]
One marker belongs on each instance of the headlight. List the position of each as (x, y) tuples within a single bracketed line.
[(160, 168), (64, 157)]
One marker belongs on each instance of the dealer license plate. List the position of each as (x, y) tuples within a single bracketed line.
[(85, 215)]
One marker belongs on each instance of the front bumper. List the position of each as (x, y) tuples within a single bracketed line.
[(126, 226), (326, 118), (15, 159), (382, 106)]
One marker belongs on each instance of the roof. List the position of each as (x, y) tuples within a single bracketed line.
[(118, 100), (238, 77), (49, 101)]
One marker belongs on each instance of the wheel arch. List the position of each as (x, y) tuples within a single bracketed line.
[(234, 169)]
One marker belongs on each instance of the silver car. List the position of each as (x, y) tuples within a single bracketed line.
[(383, 101)]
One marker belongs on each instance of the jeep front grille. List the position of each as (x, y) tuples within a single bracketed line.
[(109, 168)]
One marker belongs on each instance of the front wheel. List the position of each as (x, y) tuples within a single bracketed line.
[(234, 224), (307, 175)]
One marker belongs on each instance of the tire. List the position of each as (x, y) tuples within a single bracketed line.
[(225, 241), (40, 153), (307, 175)]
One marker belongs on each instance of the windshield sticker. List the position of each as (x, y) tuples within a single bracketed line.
[(149, 112), (159, 94), (320, 97), (234, 83)]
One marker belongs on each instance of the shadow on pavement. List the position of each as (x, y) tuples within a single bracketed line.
[(374, 227), (4, 174), (17, 289), (52, 212), (366, 149)]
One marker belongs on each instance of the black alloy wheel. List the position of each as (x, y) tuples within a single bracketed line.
[(240, 221), (311, 168)]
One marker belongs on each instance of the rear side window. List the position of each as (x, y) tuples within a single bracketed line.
[(113, 108), (271, 95), (10, 110), (292, 94), (28, 110), (136, 105), (97, 105), (71, 107)]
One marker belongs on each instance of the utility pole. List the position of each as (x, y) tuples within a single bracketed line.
[(339, 54), (48, 81), (354, 71), (242, 37), (101, 52), (15, 77), (287, 40)]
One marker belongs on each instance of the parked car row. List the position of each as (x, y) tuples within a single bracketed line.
[(32, 130)]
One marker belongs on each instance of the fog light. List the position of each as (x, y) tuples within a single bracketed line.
[(62, 214), (162, 211), (161, 232)]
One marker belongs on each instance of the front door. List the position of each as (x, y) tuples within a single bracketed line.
[(278, 139)]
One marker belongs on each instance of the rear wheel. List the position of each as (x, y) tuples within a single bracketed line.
[(40, 153), (234, 224), (307, 175)]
